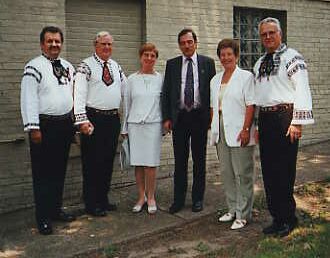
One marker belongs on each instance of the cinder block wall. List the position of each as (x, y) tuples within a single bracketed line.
[(307, 23), (20, 25)]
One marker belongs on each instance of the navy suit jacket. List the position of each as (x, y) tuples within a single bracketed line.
[(172, 87)]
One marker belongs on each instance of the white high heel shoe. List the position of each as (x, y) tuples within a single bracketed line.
[(138, 207), (152, 209)]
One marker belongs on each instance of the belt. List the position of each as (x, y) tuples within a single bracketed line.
[(277, 108), (55, 117), (111, 112)]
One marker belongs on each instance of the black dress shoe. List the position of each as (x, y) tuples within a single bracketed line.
[(197, 206), (45, 227), (63, 216), (272, 229), (284, 230), (111, 207), (97, 212), (175, 207)]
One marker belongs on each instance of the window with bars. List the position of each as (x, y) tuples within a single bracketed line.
[(245, 30)]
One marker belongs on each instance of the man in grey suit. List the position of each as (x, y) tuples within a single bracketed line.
[(186, 111)]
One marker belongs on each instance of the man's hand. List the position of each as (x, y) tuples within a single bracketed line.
[(167, 124), (295, 132), (86, 128), (256, 136), (36, 136)]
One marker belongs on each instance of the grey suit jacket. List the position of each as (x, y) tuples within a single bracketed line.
[(171, 91)]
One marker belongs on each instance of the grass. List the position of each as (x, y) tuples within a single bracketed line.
[(310, 240), (111, 251), (304, 242)]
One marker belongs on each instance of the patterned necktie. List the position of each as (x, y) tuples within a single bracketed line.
[(106, 76), (189, 87), (59, 71), (266, 67)]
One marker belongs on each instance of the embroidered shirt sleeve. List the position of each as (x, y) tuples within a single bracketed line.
[(82, 77), (84, 69), (297, 72), (33, 72), (29, 97)]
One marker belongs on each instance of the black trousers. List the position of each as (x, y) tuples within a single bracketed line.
[(190, 129), (98, 152), (49, 161), (278, 162)]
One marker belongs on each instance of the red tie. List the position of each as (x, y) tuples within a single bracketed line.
[(106, 76)]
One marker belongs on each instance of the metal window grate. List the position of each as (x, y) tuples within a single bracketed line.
[(245, 30)]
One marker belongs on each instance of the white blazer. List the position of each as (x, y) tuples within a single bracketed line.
[(239, 94)]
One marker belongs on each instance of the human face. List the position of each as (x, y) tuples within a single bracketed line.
[(52, 45), (187, 44), (103, 47), (148, 60), (228, 58), (271, 37)]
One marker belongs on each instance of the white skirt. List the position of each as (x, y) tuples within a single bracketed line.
[(145, 144)]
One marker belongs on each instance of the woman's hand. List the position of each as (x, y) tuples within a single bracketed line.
[(124, 135), (244, 137)]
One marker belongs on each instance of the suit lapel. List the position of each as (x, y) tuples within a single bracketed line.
[(201, 74), (178, 71)]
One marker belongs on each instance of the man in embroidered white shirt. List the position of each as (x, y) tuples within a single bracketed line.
[(283, 95), (46, 107), (99, 87)]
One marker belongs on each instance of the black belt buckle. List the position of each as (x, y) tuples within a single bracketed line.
[(55, 117), (111, 112)]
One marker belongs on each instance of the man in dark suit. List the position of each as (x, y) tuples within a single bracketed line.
[(186, 111)]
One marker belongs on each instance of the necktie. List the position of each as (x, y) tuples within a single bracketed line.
[(267, 66), (106, 76), (189, 87), (59, 70)]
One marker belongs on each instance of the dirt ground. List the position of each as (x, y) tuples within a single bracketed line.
[(206, 237), (123, 234)]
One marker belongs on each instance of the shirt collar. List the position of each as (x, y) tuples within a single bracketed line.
[(99, 60), (50, 59), (193, 58)]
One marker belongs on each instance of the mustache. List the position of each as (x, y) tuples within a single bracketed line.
[(54, 47)]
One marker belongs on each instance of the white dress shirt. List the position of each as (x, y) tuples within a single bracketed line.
[(288, 84), (91, 91), (196, 80), (41, 92), (239, 93), (142, 99)]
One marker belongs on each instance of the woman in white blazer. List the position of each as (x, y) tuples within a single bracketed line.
[(143, 125), (232, 105)]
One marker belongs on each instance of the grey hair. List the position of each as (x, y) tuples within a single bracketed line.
[(101, 34), (271, 20)]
